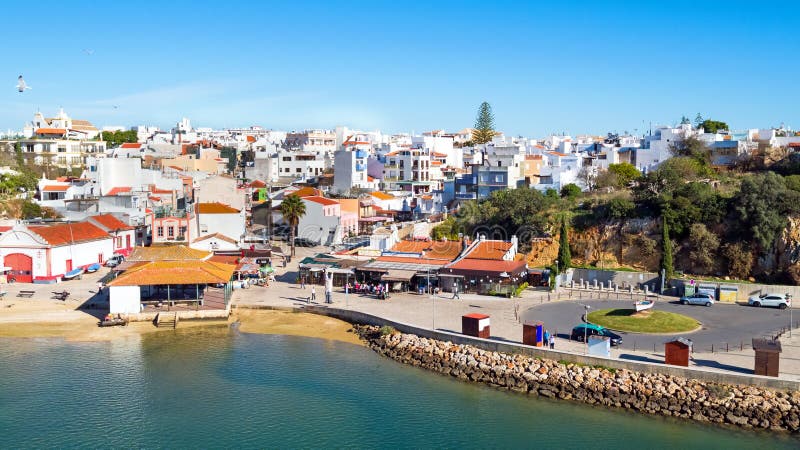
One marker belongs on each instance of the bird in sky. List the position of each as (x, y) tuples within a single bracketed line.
[(21, 85)]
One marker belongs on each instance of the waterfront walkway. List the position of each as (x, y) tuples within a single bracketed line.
[(443, 313)]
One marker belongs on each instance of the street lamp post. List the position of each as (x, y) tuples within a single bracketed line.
[(585, 328)]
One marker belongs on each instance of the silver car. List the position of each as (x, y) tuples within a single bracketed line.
[(781, 301), (699, 298)]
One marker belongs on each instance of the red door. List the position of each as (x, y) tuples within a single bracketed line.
[(69, 266), (21, 267)]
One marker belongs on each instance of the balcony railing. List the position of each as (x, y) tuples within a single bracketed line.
[(361, 167), (361, 154)]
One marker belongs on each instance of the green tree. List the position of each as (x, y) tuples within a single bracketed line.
[(713, 126), (620, 208), (761, 207), (570, 191), (740, 260), (449, 229), (692, 147), (698, 121), (117, 138), (31, 210), (484, 125), (624, 173), (564, 255), (704, 245), (292, 209), (666, 250)]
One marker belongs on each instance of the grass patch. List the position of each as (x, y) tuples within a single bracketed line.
[(654, 322)]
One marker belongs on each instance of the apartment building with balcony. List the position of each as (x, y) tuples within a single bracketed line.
[(315, 141), (410, 169), (350, 171)]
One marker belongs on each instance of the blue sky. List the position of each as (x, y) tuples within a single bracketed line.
[(580, 66)]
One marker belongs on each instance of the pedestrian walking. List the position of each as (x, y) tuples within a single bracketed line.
[(552, 342), (455, 293), (313, 293), (302, 282), (546, 337)]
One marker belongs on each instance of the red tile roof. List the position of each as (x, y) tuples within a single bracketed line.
[(65, 233), (439, 155), (216, 208), (476, 316), (251, 138), (131, 145), (258, 184), (119, 190), (448, 250), (109, 222), (51, 131), (55, 188), (489, 250), (482, 265), (321, 200)]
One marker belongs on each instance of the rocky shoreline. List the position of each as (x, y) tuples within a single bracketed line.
[(657, 394)]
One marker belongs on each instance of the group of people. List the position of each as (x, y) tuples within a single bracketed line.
[(377, 289), (549, 339)]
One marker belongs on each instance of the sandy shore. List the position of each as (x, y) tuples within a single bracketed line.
[(31, 319), (295, 324)]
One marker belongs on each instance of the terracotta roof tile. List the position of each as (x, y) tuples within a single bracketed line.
[(168, 253), (55, 188), (66, 233), (51, 131), (109, 222), (482, 265), (216, 208), (448, 250), (119, 190), (219, 236), (489, 250), (175, 272), (382, 195), (131, 145), (321, 200)]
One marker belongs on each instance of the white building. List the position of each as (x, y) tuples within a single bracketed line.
[(218, 218)]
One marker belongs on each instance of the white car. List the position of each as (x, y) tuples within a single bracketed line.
[(781, 301)]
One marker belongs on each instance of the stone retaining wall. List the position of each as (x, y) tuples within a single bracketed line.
[(651, 393)]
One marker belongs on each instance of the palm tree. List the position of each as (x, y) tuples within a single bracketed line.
[(292, 209)]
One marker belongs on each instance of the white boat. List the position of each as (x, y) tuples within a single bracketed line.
[(643, 305)]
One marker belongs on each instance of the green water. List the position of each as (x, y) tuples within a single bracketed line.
[(221, 388)]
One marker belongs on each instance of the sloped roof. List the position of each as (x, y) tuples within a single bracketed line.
[(216, 208), (168, 253), (219, 236), (321, 200), (175, 272), (66, 233), (51, 131), (381, 195), (258, 184), (482, 265), (131, 145), (489, 250), (119, 190), (110, 222), (448, 250), (306, 192)]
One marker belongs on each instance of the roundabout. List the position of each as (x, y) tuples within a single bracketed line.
[(650, 321), (719, 326)]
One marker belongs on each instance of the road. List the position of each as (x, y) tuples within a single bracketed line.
[(721, 324)]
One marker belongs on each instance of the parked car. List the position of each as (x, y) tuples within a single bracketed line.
[(304, 242), (590, 329), (115, 260), (781, 301), (698, 298)]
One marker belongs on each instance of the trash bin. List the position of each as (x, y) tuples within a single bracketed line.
[(533, 334), (476, 325), (768, 353), (677, 351)]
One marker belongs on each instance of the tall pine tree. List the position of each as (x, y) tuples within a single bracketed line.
[(564, 255), (484, 125), (666, 245)]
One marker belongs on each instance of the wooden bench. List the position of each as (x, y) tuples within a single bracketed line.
[(27, 294)]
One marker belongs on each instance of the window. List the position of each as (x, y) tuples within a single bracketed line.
[(286, 169), (119, 241), (298, 170), (160, 231), (170, 231), (181, 231)]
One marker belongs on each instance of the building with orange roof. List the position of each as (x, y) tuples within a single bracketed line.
[(222, 219), (44, 253), (486, 266), (187, 285), (124, 235)]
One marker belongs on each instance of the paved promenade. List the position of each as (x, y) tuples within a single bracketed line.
[(444, 313)]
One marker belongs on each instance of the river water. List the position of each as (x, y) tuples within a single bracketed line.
[(217, 387)]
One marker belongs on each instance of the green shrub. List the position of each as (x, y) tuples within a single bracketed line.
[(387, 330)]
